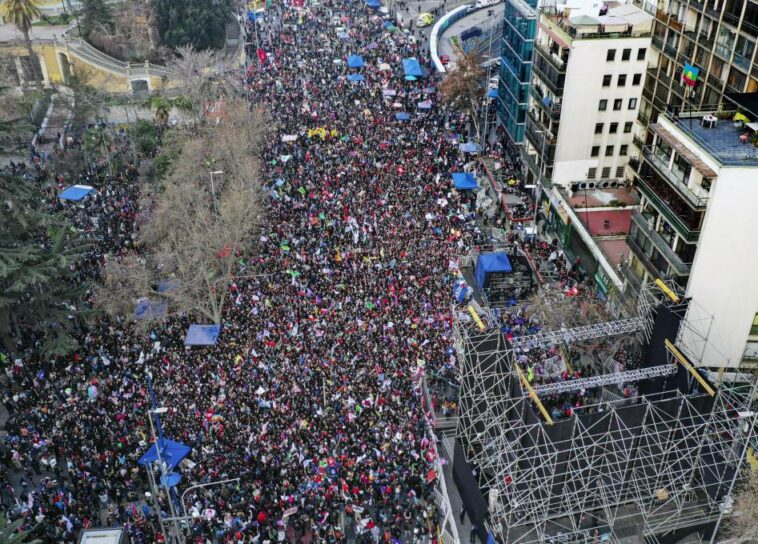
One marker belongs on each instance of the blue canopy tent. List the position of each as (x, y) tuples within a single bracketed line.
[(172, 453), (492, 93), (373, 4), (470, 147), (202, 335), (490, 263), (402, 116), (355, 77), (76, 192), (411, 67), (465, 181), (147, 309), (355, 61)]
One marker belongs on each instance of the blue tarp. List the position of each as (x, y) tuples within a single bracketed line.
[(202, 335), (373, 4), (166, 286), (355, 77), (355, 61), (470, 147), (76, 192), (464, 181), (402, 116), (489, 263), (146, 309), (172, 453), (492, 93), (412, 67)]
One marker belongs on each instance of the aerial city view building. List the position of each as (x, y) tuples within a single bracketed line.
[(378, 271)]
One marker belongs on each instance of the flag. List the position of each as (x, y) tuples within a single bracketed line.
[(262, 55), (690, 75)]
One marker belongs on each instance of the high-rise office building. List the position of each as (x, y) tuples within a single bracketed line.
[(519, 30)]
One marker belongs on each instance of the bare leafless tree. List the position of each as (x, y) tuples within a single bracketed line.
[(464, 87), (204, 75), (196, 233), (743, 526)]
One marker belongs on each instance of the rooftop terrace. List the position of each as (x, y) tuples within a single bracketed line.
[(722, 141)]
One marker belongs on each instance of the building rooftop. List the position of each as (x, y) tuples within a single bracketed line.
[(600, 198), (580, 19), (722, 141), (615, 249)]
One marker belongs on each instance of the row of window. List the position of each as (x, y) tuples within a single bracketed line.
[(609, 149), (621, 81), (626, 54), (613, 127), (618, 103), (605, 173)]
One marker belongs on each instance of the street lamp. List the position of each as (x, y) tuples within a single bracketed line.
[(213, 187)]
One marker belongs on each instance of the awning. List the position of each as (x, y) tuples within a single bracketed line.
[(745, 101), (412, 67), (76, 192), (683, 151), (489, 263), (373, 4), (202, 335), (355, 61), (171, 452), (465, 181)]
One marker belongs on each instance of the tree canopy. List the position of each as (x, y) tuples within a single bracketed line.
[(39, 252), (199, 23)]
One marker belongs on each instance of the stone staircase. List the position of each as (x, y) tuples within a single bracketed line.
[(233, 37)]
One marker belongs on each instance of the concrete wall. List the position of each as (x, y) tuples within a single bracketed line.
[(723, 281), (582, 93)]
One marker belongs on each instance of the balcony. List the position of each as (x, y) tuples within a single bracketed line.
[(549, 76), (554, 110), (658, 43), (545, 53), (698, 5), (641, 117), (675, 179), (670, 50), (636, 140), (679, 267), (533, 128), (669, 20), (646, 187)]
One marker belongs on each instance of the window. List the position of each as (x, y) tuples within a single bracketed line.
[(611, 55), (754, 328), (608, 152), (613, 128), (606, 172), (622, 80), (641, 52), (617, 104), (598, 128), (636, 79), (627, 127), (619, 171), (626, 54), (623, 150), (607, 80), (591, 173), (595, 151), (632, 103), (603, 105)]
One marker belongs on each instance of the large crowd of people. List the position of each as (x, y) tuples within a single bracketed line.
[(311, 399)]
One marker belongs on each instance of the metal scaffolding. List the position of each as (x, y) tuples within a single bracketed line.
[(579, 334), (638, 467)]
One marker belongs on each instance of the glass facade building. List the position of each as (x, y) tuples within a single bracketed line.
[(519, 32)]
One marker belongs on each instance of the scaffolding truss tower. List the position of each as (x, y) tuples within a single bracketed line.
[(627, 467)]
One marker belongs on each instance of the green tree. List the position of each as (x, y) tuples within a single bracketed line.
[(97, 143), (21, 13), (38, 292), (9, 533), (199, 23), (97, 15), (145, 137)]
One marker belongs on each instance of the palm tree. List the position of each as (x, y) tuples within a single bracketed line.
[(21, 13)]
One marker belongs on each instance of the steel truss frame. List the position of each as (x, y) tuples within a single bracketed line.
[(640, 466)]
